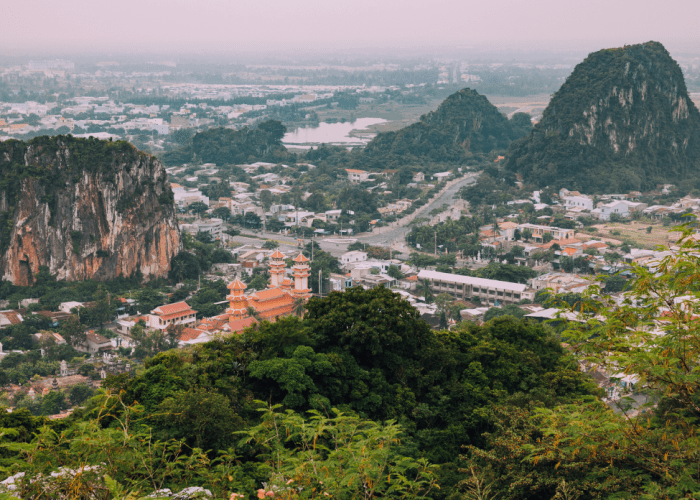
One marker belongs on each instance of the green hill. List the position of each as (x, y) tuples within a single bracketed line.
[(464, 124), (622, 121), (224, 146)]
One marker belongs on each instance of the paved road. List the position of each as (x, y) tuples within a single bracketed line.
[(385, 236)]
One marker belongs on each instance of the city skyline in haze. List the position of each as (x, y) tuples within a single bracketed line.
[(268, 27)]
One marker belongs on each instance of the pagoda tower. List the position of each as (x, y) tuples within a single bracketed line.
[(277, 266), (237, 302), (301, 277)]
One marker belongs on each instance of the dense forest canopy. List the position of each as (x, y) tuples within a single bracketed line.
[(464, 124), (224, 146), (622, 121)]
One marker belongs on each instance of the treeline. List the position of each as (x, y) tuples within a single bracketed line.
[(363, 353)]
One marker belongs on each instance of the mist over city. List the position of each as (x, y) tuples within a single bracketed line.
[(309, 249)]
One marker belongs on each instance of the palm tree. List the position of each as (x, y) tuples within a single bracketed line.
[(424, 288), (298, 307), (253, 313)]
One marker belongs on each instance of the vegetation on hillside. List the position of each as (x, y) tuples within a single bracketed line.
[(465, 124), (224, 146), (622, 121)]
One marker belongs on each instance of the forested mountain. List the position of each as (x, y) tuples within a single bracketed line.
[(622, 121), (464, 124), (224, 146)]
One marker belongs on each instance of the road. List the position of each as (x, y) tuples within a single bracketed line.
[(398, 230), (392, 235)]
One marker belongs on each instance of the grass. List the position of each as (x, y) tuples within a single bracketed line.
[(634, 233)]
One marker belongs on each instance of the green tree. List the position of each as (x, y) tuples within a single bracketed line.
[(222, 213), (395, 272), (73, 331), (338, 456), (526, 234), (79, 393), (197, 207), (201, 418)]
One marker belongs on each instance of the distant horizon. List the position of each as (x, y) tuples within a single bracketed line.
[(318, 28)]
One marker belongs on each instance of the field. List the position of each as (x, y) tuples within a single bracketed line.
[(634, 233), (401, 115)]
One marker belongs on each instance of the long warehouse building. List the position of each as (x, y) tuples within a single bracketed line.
[(468, 287)]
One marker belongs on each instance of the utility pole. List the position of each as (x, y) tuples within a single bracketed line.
[(435, 243), (320, 283)]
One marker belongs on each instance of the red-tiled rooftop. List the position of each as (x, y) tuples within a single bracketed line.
[(172, 308), (277, 255), (241, 324), (301, 258), (189, 334), (237, 285), (269, 294)]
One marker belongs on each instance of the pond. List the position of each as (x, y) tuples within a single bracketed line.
[(334, 133)]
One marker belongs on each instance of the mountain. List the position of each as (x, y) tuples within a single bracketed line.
[(622, 121), (224, 146), (465, 123), (85, 208)]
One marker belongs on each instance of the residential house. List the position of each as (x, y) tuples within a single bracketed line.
[(356, 176), (179, 313), (583, 202), (418, 177), (349, 258), (538, 232)]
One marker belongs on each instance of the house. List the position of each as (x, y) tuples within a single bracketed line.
[(179, 313), (538, 232), (9, 317), (418, 177), (604, 212), (583, 202), (94, 343), (51, 337), (67, 306), (190, 336), (357, 176), (442, 176), (352, 257), (507, 230), (339, 282)]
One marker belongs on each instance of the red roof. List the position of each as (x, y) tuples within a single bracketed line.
[(412, 278), (171, 308), (569, 251), (241, 324), (269, 294), (301, 258), (277, 255), (177, 314), (189, 334), (237, 285)]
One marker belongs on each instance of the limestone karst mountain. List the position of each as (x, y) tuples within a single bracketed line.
[(84, 208), (622, 121)]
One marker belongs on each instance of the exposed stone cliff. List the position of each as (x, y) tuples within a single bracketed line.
[(85, 208), (622, 121)]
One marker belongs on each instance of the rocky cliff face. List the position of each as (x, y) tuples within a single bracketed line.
[(622, 121), (85, 209)]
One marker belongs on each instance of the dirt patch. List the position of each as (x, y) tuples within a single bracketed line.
[(635, 233)]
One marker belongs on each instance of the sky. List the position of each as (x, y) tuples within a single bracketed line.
[(269, 26)]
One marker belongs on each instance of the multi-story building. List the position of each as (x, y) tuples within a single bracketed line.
[(468, 287), (538, 232), (356, 176), (179, 313)]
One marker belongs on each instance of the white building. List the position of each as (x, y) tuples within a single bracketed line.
[(213, 226), (357, 176), (538, 232), (468, 287), (578, 202), (352, 257)]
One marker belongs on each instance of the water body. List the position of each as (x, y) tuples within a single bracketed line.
[(334, 133)]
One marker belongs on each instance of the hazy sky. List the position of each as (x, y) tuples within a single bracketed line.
[(319, 25)]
